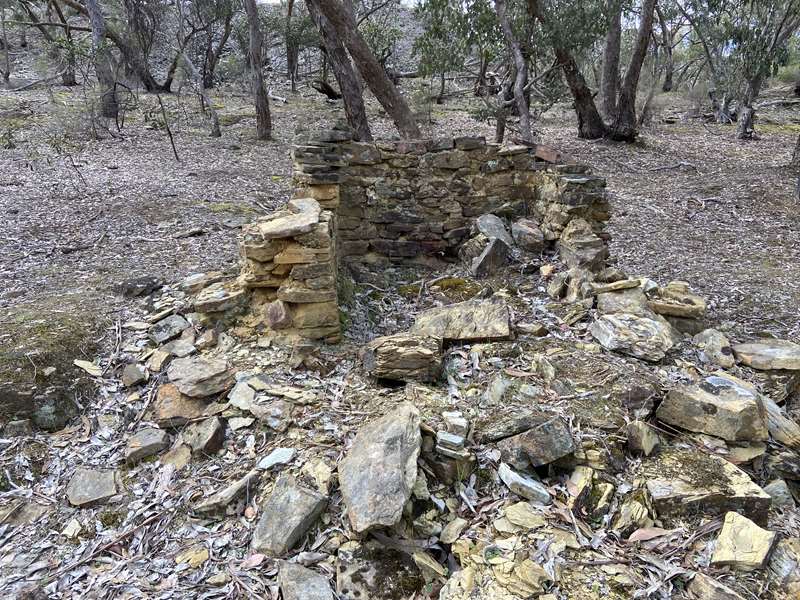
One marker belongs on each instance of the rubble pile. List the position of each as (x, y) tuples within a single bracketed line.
[(553, 429)]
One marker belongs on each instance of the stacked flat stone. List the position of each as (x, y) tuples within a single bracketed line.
[(407, 199), (289, 259)]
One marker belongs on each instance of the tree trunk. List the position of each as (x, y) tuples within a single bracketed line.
[(721, 109), (102, 62), (68, 75), (610, 80), (624, 126), (263, 117), (590, 123), (7, 50), (440, 96), (747, 114), (213, 54), (349, 84), (370, 68), (521, 66), (795, 162), (666, 43)]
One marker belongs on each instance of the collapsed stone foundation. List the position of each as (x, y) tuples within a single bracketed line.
[(406, 202)]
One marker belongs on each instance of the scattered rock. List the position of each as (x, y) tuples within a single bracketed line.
[(642, 337), (676, 300), (528, 236), (299, 583), (139, 286), (378, 473), (714, 348), (167, 329), (769, 354), (279, 456), (471, 321), (91, 486), (742, 544), (195, 282), (493, 257), (276, 414), (780, 493), (703, 587), (630, 301), (133, 374), (173, 409), (784, 565), (581, 247), (242, 396), (205, 437), (286, 516), (717, 406), (546, 441), (179, 348), (522, 486), (145, 443), (404, 357), (19, 428), (493, 227), (221, 500), (687, 482), (218, 298), (642, 438), (199, 376)]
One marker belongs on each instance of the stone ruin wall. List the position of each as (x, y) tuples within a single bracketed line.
[(405, 201)]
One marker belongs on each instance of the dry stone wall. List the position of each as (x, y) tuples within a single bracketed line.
[(406, 201)]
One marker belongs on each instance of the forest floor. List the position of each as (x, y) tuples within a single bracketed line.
[(83, 216)]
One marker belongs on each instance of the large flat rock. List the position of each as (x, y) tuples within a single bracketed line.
[(643, 337), (684, 483), (718, 406), (470, 321), (769, 354), (378, 473)]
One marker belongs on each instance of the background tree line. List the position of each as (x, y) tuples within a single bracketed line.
[(519, 57)]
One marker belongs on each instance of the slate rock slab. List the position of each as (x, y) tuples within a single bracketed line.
[(145, 443), (642, 337), (286, 516), (168, 328), (199, 376), (683, 483), (299, 583), (91, 486), (769, 354), (470, 321), (378, 473)]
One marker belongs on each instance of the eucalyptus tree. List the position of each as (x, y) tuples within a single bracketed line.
[(343, 22), (742, 41)]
